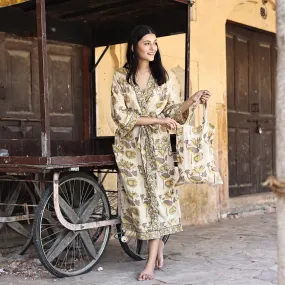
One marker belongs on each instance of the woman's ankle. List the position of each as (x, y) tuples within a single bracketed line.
[(150, 264)]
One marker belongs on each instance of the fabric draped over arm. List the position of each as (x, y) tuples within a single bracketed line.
[(172, 108), (124, 117)]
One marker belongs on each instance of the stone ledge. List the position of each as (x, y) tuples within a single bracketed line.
[(250, 205)]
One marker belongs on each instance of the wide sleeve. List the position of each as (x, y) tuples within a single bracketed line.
[(125, 118), (172, 108)]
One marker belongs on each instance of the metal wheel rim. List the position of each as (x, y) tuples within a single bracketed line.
[(104, 241)]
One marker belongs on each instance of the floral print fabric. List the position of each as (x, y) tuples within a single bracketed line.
[(195, 155), (150, 206)]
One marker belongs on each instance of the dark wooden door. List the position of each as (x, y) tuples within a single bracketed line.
[(19, 96), (251, 64), (19, 100)]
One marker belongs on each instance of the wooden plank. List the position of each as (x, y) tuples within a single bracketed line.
[(120, 26), (16, 226), (63, 243), (12, 200), (61, 235), (169, 18), (127, 6), (89, 209), (75, 5), (86, 92), (88, 243), (182, 1), (48, 216), (43, 78), (67, 209)]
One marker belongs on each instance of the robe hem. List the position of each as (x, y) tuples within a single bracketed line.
[(156, 234)]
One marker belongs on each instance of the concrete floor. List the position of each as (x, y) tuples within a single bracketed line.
[(232, 252)]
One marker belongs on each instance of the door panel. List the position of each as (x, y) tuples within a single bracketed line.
[(66, 96), (20, 77), (251, 62), (242, 51), (20, 101)]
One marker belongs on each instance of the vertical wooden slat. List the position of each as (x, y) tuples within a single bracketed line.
[(43, 78), (93, 110), (187, 49), (86, 87)]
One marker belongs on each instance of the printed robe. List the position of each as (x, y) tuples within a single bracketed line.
[(150, 206)]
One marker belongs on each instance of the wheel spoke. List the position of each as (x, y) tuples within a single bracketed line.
[(62, 243), (51, 220), (2, 214), (12, 194), (88, 243), (70, 213), (89, 209), (65, 252), (16, 226), (13, 200)]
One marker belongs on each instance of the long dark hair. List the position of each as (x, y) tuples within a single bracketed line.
[(157, 70)]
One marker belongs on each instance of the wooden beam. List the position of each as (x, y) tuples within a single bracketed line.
[(164, 23), (187, 52), (166, 20), (75, 6), (128, 11), (43, 78), (86, 98), (14, 21), (182, 1), (100, 11)]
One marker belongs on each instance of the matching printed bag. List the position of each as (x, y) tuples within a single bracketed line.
[(195, 157)]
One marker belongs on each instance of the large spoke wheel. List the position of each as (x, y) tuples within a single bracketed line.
[(133, 247), (16, 199), (64, 252)]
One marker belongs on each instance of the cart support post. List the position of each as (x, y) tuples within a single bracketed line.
[(43, 78), (187, 49), (79, 226)]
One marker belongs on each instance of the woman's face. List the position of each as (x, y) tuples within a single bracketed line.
[(147, 47)]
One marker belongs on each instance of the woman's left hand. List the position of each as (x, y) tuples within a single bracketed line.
[(204, 96)]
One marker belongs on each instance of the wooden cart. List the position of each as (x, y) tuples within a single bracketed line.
[(51, 183)]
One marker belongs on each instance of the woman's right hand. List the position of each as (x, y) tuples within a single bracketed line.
[(167, 122), (203, 95)]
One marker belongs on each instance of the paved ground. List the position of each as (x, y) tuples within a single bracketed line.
[(233, 252)]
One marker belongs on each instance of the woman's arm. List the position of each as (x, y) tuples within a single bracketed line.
[(203, 95), (145, 121), (166, 122)]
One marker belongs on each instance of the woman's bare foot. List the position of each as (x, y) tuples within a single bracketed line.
[(159, 258), (147, 273)]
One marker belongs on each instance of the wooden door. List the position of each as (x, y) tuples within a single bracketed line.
[(251, 64), (20, 99)]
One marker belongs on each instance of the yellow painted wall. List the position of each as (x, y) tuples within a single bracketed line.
[(5, 3), (200, 204)]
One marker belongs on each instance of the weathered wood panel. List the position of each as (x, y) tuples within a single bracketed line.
[(251, 61)]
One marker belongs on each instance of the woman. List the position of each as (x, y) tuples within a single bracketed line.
[(144, 109)]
